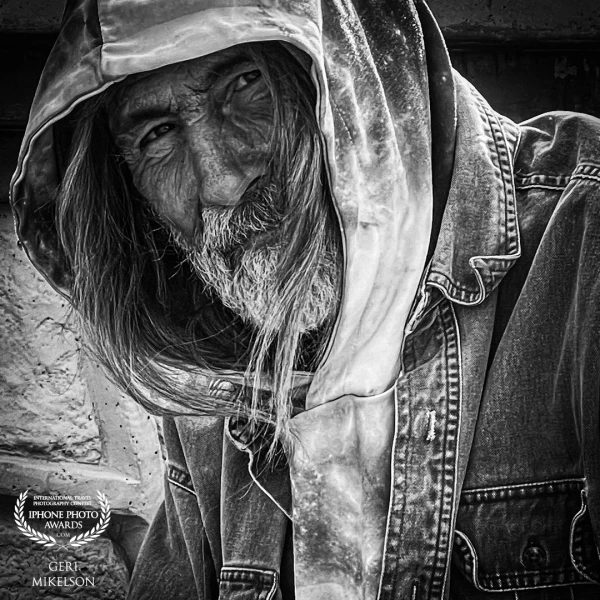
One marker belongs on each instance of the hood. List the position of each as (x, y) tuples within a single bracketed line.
[(386, 112)]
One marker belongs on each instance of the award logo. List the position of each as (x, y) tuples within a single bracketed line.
[(59, 517)]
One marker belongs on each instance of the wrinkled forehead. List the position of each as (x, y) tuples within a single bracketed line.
[(174, 86), (194, 74)]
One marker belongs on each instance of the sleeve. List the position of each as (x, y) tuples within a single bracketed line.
[(175, 560)]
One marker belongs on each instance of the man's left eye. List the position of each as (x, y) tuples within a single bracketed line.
[(245, 79), (156, 132)]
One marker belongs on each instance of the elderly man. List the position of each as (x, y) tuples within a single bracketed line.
[(365, 304)]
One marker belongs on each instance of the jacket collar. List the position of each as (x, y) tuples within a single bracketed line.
[(479, 236)]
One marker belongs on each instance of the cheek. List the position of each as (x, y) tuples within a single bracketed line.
[(249, 128), (168, 182)]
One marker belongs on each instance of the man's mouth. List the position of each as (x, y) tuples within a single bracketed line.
[(251, 224)]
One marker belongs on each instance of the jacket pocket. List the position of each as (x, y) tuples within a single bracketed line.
[(242, 583), (526, 536)]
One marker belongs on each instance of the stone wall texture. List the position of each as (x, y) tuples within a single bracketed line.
[(47, 410), (65, 429)]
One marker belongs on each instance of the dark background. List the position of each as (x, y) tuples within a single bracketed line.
[(525, 56)]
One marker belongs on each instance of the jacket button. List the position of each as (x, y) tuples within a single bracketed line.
[(533, 557)]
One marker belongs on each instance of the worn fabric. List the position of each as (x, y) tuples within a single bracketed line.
[(495, 466), (370, 70), (377, 89), (450, 442)]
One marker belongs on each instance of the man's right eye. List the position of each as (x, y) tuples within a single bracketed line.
[(155, 133)]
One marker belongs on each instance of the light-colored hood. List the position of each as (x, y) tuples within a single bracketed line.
[(370, 67)]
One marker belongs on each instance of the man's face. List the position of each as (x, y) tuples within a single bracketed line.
[(197, 138), (195, 134)]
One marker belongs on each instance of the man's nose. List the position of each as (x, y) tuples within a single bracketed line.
[(223, 175)]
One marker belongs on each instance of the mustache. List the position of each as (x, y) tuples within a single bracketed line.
[(230, 231), (241, 227)]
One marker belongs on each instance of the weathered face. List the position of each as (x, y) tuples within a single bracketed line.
[(195, 134), (204, 141)]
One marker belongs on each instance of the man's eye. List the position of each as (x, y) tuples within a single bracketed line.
[(245, 79), (156, 132)]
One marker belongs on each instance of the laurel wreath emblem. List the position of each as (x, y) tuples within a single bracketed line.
[(49, 541)]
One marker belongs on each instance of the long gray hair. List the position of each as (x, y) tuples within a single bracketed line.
[(140, 306)]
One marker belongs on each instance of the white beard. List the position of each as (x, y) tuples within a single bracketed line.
[(249, 286)]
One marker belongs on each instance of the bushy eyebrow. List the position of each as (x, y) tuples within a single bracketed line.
[(129, 120), (139, 116), (221, 69)]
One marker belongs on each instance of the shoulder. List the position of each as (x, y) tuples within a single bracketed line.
[(556, 149), (557, 183)]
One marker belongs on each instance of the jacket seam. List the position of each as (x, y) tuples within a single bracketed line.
[(183, 487), (515, 486), (583, 177), (457, 377), (576, 544), (463, 295), (585, 171), (540, 186), (482, 581), (268, 572), (502, 153), (180, 478)]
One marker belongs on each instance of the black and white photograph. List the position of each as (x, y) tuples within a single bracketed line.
[(300, 300)]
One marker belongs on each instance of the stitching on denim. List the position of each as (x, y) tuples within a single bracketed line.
[(460, 294), (574, 521), (537, 178), (535, 186), (452, 291), (397, 504), (444, 447), (577, 543), (587, 168), (585, 171), (180, 477), (511, 587), (471, 560), (518, 492), (510, 210), (240, 569), (502, 152), (516, 486), (595, 178), (454, 498), (512, 581), (269, 573), (183, 487)]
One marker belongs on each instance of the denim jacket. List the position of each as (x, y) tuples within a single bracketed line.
[(495, 481)]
